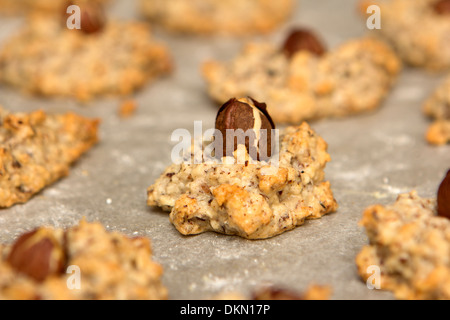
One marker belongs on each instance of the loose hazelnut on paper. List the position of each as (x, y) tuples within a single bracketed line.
[(92, 16), (443, 199), (442, 7), (37, 254), (250, 117), (303, 40)]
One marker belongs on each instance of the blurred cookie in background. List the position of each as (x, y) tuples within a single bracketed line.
[(83, 262), (409, 246), (233, 17), (302, 80), (419, 30), (42, 6), (52, 56)]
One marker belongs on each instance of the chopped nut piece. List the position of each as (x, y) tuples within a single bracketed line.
[(127, 108)]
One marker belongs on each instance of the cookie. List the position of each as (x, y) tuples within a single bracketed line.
[(46, 58), (84, 262), (437, 107), (302, 85), (232, 17), (42, 6), (240, 195), (37, 149), (418, 31), (411, 245)]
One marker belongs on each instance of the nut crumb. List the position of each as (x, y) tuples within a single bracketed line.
[(127, 108)]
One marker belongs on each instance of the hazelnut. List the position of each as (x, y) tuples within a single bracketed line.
[(302, 40), (37, 254), (92, 19), (442, 7), (254, 122), (443, 198)]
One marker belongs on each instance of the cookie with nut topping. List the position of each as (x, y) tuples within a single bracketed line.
[(37, 149), (84, 262), (437, 107), (418, 30), (300, 80), (101, 59), (206, 17), (409, 241), (242, 192)]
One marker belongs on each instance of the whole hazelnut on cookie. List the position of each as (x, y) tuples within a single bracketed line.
[(302, 40), (92, 16), (37, 254), (245, 121), (442, 7), (443, 200)]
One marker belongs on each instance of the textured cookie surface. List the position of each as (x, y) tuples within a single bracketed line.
[(237, 17), (418, 33), (37, 149), (46, 58), (437, 107), (110, 266), (353, 78), (251, 199), (411, 246)]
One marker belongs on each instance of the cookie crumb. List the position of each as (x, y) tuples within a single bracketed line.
[(127, 108)]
